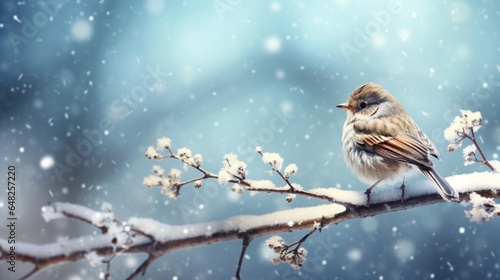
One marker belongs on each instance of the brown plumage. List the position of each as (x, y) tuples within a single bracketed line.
[(382, 142)]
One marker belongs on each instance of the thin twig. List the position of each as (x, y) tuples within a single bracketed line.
[(292, 189), (248, 185), (484, 160), (205, 176), (108, 267), (303, 193), (35, 270), (301, 240), (197, 167), (246, 242), (142, 268)]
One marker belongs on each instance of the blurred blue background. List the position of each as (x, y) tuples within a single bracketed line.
[(225, 76)]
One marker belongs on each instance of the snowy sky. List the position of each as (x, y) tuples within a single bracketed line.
[(87, 87)]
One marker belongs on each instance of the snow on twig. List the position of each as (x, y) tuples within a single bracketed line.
[(465, 127), (233, 171), (483, 208)]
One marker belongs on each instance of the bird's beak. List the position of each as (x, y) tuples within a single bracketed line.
[(345, 106)]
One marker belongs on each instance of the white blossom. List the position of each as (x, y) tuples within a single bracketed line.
[(237, 188), (274, 159), (455, 128), (290, 170), (299, 258), (171, 191), (234, 167), (158, 170), (198, 160), (483, 209), (258, 149), (474, 119), (151, 153), (454, 145), (295, 258), (197, 184), (237, 169), (174, 174), (184, 153), (165, 182), (275, 243), (170, 184), (276, 259), (188, 162), (460, 126), (469, 154), (302, 251), (163, 143), (151, 181), (223, 177), (230, 157)]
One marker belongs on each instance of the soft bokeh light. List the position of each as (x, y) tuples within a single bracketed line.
[(87, 86)]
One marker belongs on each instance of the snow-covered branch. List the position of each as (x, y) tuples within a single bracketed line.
[(155, 238)]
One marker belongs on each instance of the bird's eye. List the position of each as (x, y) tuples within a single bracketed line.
[(363, 104)]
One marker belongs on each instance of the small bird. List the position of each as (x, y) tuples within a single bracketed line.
[(382, 142)]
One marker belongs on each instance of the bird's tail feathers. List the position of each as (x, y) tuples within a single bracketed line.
[(445, 190)]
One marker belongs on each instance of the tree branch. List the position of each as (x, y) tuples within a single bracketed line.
[(244, 247), (141, 270), (158, 239), (484, 161)]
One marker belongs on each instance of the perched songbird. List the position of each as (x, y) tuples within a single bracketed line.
[(382, 142)]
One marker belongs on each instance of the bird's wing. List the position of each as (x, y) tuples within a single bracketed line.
[(428, 144), (404, 148), (426, 141)]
